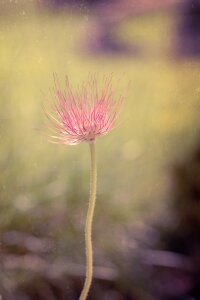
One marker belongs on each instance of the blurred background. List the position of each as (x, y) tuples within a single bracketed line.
[(147, 219)]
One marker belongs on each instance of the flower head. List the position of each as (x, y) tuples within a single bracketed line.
[(84, 114)]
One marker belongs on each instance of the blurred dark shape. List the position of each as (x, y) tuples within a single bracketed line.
[(78, 4), (136, 6), (102, 36), (188, 43), (162, 258), (103, 33), (177, 276)]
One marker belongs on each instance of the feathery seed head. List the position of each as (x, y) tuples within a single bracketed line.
[(85, 114)]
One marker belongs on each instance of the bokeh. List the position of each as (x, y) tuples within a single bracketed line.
[(147, 218)]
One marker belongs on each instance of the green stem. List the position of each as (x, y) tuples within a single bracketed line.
[(88, 225)]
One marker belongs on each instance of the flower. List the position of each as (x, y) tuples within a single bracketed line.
[(85, 114)]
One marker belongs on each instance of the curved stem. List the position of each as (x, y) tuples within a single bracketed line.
[(88, 225)]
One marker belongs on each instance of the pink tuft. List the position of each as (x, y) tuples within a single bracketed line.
[(84, 115)]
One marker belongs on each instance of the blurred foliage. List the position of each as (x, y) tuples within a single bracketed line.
[(44, 188), (174, 255)]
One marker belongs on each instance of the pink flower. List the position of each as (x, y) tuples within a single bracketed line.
[(85, 114)]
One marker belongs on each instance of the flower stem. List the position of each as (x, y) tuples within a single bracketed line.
[(88, 225)]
